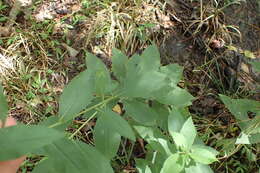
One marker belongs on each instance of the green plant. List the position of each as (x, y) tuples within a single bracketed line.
[(3, 18), (155, 109), (125, 25), (247, 113), (245, 144)]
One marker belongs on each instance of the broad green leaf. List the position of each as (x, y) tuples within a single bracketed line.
[(141, 112), (132, 64), (143, 84), (203, 154), (118, 124), (175, 120), (3, 105), (65, 156), (240, 107), (251, 156), (156, 140), (107, 140), (198, 168), (142, 166), (168, 147), (254, 138), (119, 61), (20, 140), (227, 146), (174, 164), (142, 76), (255, 130), (145, 132), (173, 72), (155, 158), (100, 74), (256, 66), (162, 112), (93, 102), (76, 95), (150, 59), (189, 131), (47, 166), (180, 140), (175, 96)]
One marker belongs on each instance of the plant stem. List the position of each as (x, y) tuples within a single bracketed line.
[(97, 105), (83, 125), (85, 111)]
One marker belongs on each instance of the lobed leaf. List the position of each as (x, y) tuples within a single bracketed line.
[(173, 72), (142, 75), (143, 84), (240, 107), (150, 59)]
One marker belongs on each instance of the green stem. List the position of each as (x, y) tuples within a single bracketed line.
[(56, 124), (83, 125), (85, 111), (96, 106)]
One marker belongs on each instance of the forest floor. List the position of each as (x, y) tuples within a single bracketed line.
[(43, 46)]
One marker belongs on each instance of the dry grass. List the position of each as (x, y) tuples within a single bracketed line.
[(25, 75), (127, 25), (35, 65)]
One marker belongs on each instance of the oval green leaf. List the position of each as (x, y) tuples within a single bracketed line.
[(20, 140)]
